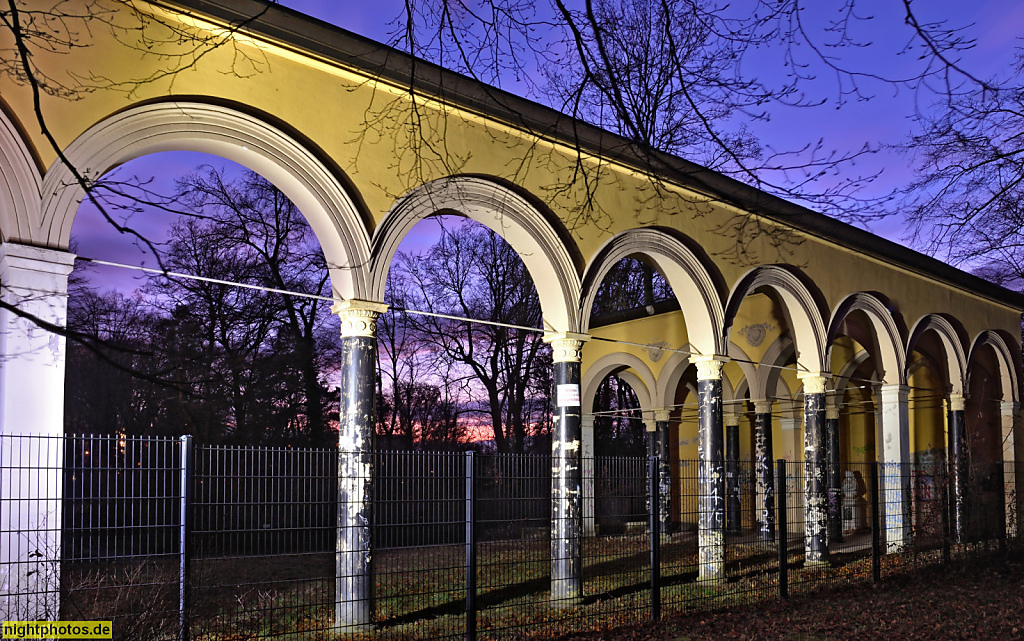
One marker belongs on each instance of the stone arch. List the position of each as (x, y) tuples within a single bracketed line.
[(950, 335), (20, 187), (506, 213), (740, 357), (1008, 373), (888, 339), (228, 133), (805, 316), (769, 371), (669, 377), (630, 369), (689, 278)]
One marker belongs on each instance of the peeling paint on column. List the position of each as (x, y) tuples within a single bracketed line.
[(835, 476), (815, 496), (733, 507), (566, 479), (958, 468), (711, 474), (765, 458), (664, 476)]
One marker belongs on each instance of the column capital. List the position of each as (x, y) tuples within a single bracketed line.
[(35, 269), (730, 420), (566, 346), (1009, 408), (662, 415), (831, 413), (587, 421), (957, 402), (358, 317), (763, 406), (709, 366), (814, 382)]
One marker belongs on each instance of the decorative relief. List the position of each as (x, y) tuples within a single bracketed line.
[(656, 350), (358, 318), (756, 333), (814, 382)]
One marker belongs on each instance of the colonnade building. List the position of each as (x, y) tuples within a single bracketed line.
[(831, 335)]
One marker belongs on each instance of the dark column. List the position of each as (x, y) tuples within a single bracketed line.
[(764, 458), (835, 476), (566, 473), (958, 465), (815, 482), (353, 610), (711, 472), (733, 507), (664, 471)]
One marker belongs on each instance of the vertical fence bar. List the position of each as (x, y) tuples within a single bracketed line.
[(185, 561), (782, 528), (876, 548), (654, 519), (470, 548)]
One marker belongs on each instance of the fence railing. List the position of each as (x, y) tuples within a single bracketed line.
[(174, 540)]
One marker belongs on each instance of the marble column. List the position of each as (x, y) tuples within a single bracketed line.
[(1009, 411), (661, 421), (733, 506), (711, 470), (566, 473), (835, 475), (33, 281), (815, 482), (353, 608), (765, 463), (587, 463), (959, 468)]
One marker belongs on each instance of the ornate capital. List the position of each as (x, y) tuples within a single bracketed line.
[(729, 419), (763, 406), (566, 347), (814, 382), (957, 402), (358, 317), (662, 415), (709, 368), (831, 413)]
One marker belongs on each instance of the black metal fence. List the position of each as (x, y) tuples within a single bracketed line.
[(174, 540)]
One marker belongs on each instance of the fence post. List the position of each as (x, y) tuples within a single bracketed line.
[(470, 548), (782, 528), (654, 520), (184, 525), (876, 558)]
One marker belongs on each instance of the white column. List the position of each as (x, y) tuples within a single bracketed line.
[(33, 281), (894, 472), (587, 428), (1008, 413)]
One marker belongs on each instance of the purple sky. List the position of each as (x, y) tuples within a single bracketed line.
[(997, 24)]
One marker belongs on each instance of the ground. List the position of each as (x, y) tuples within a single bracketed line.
[(968, 600)]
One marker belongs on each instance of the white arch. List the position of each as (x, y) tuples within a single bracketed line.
[(1008, 378), (955, 359), (231, 134), (20, 187), (506, 213), (890, 358), (686, 275), (770, 370), (804, 316), (740, 357), (636, 374), (669, 377)]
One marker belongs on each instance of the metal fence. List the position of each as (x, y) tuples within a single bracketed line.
[(174, 540)]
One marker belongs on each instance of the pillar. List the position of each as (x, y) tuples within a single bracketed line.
[(566, 476), (835, 475), (958, 467), (353, 599), (733, 507), (815, 482), (34, 281), (894, 484), (587, 432), (661, 422), (1008, 413), (764, 462), (711, 470)]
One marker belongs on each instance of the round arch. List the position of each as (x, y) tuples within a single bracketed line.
[(230, 134), (690, 280), (949, 335), (20, 187), (669, 377), (803, 312), (637, 375), (1008, 374), (770, 370), (506, 213), (890, 358)]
